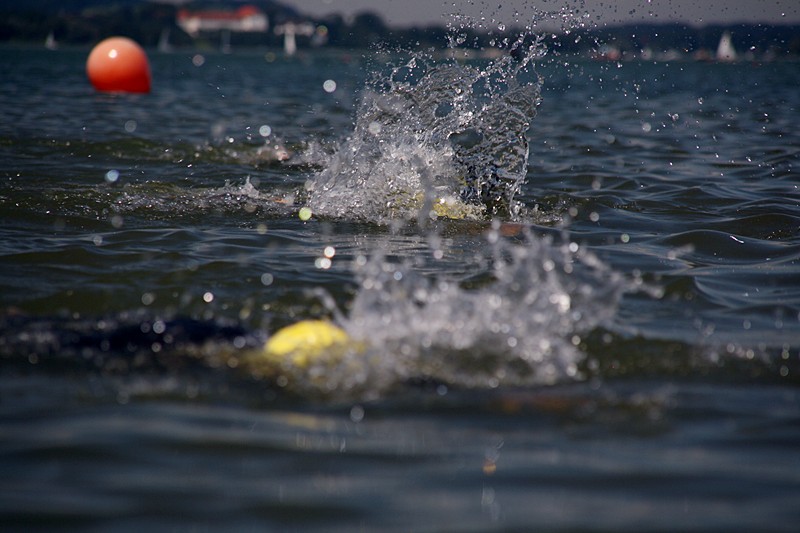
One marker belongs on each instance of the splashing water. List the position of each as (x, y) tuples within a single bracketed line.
[(519, 324), (163, 199), (448, 139), (439, 139), (436, 139)]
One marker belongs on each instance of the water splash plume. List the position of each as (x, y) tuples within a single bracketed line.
[(436, 138), (519, 322)]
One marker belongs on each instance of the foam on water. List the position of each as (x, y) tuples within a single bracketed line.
[(164, 199), (436, 132)]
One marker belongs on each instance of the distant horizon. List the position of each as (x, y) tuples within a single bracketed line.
[(147, 21), (548, 14), (408, 13)]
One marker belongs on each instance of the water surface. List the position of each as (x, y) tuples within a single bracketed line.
[(624, 356)]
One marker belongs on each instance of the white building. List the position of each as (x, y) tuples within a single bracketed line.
[(244, 19)]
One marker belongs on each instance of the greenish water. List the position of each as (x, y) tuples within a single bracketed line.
[(624, 357)]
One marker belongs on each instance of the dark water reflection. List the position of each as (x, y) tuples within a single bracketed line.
[(658, 456)]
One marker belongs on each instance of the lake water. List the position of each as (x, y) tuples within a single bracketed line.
[(618, 351)]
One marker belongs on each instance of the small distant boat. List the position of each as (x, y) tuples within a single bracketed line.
[(290, 30), (50, 42), (225, 41), (725, 50), (163, 41)]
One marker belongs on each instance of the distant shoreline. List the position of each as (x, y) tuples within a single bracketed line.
[(156, 25)]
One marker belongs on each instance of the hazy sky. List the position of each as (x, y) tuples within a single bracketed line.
[(698, 12)]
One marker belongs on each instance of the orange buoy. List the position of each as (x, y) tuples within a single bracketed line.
[(119, 64)]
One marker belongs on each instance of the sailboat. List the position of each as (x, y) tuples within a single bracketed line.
[(50, 42), (225, 38), (163, 41), (290, 30), (725, 50)]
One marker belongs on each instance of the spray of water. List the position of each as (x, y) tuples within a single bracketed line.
[(518, 322), (436, 138), (446, 138), (441, 137)]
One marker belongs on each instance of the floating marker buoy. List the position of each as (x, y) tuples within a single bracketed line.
[(119, 64)]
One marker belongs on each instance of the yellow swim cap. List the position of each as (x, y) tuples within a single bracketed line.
[(305, 343), (449, 206), (311, 357), (455, 209)]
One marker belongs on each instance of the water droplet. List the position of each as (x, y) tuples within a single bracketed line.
[(322, 263), (357, 413)]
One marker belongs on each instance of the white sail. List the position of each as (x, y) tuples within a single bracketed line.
[(725, 50), (50, 42), (163, 41)]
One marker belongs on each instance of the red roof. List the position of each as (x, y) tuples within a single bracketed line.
[(218, 14)]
